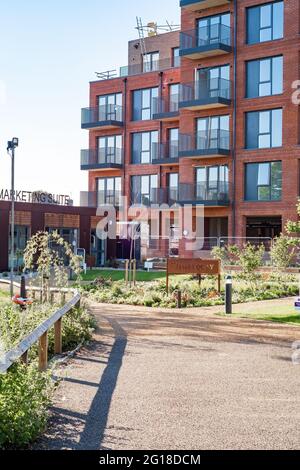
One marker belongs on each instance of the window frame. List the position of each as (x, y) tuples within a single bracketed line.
[(268, 186), (271, 4)]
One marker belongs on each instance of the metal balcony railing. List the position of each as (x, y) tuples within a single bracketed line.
[(105, 113), (212, 192), (95, 199), (205, 36), (205, 140), (154, 66), (205, 89), (166, 151), (162, 106), (102, 156)]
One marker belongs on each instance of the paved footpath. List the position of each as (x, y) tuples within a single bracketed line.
[(160, 379)]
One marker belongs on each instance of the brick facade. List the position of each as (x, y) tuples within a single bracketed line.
[(289, 153)]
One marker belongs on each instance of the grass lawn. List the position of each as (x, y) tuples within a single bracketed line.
[(142, 276), (273, 312)]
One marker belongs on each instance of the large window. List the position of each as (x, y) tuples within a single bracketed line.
[(213, 133), (144, 147), (144, 189), (212, 182), (214, 29), (265, 22), (110, 107), (173, 185), (264, 77), (174, 97), (143, 103), (109, 191), (151, 62), (110, 149), (173, 142), (264, 129), (263, 181), (175, 57), (213, 82)]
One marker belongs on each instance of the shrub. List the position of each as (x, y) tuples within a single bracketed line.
[(25, 395), (284, 251), (251, 258)]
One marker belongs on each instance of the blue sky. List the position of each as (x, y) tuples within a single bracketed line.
[(50, 50)]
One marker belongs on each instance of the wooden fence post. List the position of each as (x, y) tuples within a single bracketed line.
[(24, 358), (58, 337), (126, 271), (43, 352)]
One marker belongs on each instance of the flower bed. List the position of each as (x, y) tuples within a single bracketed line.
[(153, 294)]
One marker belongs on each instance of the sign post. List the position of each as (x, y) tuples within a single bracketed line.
[(199, 267)]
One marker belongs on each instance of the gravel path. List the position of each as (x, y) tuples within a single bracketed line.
[(178, 380)]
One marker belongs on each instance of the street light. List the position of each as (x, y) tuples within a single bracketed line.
[(11, 146)]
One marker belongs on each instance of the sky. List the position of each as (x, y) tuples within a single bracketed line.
[(49, 52)]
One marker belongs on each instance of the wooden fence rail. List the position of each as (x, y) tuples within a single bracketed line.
[(40, 335)]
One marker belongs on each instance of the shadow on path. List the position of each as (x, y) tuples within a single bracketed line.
[(97, 417)]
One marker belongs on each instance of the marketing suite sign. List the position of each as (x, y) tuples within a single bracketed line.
[(36, 197)]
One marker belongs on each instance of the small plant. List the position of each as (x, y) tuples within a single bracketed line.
[(228, 254), (251, 258), (284, 251), (25, 395)]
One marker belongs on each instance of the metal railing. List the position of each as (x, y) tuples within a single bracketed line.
[(40, 335), (95, 199), (161, 106), (205, 140), (154, 66), (205, 88), (166, 151), (103, 113), (205, 36), (218, 191), (102, 156)]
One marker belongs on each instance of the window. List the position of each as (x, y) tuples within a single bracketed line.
[(174, 97), (109, 191), (144, 147), (214, 29), (213, 133), (143, 103), (151, 62), (212, 182), (173, 185), (264, 129), (110, 107), (263, 181), (175, 57), (213, 82), (110, 149), (265, 22), (264, 77), (144, 189), (173, 142)]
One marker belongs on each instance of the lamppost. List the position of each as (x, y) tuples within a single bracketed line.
[(11, 146)]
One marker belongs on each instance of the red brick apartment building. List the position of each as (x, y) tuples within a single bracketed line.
[(206, 117)]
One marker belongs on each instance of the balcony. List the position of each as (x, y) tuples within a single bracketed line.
[(102, 117), (155, 66), (206, 42), (94, 199), (196, 5), (167, 111), (157, 196), (201, 194), (102, 159), (166, 154), (205, 94), (204, 144)]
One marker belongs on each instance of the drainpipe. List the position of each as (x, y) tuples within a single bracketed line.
[(234, 130), (160, 122), (124, 133)]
